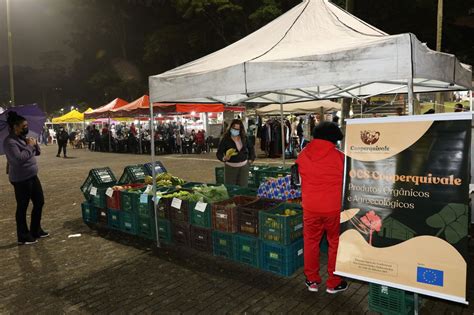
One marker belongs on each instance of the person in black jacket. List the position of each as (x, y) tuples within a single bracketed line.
[(62, 137), (236, 170)]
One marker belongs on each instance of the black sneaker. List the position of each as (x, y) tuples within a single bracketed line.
[(340, 288), (27, 240), (312, 286), (40, 234), (58, 155)]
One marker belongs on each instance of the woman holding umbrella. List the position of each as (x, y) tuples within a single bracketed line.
[(23, 174)]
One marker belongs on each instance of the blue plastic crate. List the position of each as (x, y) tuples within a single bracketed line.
[(247, 250), (223, 244), (89, 213), (128, 222), (113, 219), (282, 259)]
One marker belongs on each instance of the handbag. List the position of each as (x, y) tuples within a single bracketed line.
[(295, 177)]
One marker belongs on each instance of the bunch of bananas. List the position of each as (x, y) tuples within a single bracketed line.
[(231, 152)]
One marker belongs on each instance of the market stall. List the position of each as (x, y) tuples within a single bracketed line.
[(314, 51), (319, 51)]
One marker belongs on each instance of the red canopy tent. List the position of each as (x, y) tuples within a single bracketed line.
[(138, 107), (106, 110)]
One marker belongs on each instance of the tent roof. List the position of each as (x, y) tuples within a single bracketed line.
[(104, 111), (72, 117), (168, 108), (299, 108), (138, 107), (314, 51)]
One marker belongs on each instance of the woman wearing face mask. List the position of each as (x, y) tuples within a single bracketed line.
[(237, 160), (22, 171)]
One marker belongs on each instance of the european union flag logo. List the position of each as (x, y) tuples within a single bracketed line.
[(430, 276)]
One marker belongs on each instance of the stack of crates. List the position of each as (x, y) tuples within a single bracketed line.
[(390, 301), (247, 215), (94, 190), (224, 223), (281, 233)]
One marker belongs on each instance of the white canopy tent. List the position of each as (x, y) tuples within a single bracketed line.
[(300, 108), (314, 51)]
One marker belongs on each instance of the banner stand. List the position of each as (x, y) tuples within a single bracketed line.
[(416, 306)]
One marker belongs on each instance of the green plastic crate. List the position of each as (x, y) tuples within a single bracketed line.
[(219, 171), (246, 191), (99, 199), (128, 222), (223, 244), (232, 190), (199, 217), (113, 219), (282, 259), (277, 228), (127, 200), (89, 213), (164, 231), (253, 170), (390, 301), (159, 168), (247, 250), (132, 201), (273, 172), (146, 227), (133, 174), (98, 178)]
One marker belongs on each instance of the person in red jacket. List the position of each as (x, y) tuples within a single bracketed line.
[(321, 167)]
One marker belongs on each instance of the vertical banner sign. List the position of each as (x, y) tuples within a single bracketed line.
[(406, 203)]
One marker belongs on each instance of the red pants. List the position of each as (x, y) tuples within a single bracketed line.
[(314, 228)]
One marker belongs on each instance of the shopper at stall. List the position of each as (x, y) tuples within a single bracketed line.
[(237, 153), (300, 131), (62, 137), (23, 175), (321, 166)]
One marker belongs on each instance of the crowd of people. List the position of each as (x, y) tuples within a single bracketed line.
[(168, 139)]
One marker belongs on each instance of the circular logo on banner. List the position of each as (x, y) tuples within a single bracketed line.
[(369, 137)]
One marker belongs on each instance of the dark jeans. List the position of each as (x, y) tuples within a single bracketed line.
[(24, 192), (237, 175), (62, 145)]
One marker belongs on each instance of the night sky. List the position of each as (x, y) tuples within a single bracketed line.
[(37, 26)]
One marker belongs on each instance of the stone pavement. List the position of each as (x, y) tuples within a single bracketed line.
[(109, 272)]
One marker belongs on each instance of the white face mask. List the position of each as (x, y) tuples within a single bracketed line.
[(234, 132)]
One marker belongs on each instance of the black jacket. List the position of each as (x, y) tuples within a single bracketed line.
[(247, 152)]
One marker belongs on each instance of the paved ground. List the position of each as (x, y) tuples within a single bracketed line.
[(102, 272)]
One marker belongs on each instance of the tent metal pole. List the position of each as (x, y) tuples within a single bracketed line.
[(410, 96), (153, 164), (470, 100), (109, 132), (282, 130), (139, 136)]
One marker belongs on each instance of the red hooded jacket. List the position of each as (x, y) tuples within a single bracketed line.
[(321, 168)]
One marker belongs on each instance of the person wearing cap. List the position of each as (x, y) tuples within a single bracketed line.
[(321, 168)]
